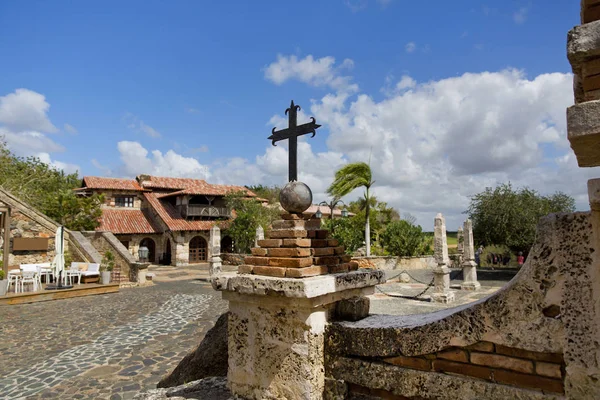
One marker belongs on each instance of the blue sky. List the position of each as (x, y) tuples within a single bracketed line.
[(203, 82)]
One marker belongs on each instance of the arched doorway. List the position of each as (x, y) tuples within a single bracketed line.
[(226, 244), (166, 256), (149, 243), (198, 247)]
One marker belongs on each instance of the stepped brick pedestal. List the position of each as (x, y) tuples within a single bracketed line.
[(279, 304)]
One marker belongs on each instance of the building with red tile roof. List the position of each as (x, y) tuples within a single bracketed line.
[(171, 217)]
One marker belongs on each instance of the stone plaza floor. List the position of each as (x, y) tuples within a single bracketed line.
[(103, 347), (114, 346)]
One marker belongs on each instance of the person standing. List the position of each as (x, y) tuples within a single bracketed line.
[(520, 259)]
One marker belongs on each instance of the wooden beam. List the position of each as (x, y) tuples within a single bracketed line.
[(47, 295)]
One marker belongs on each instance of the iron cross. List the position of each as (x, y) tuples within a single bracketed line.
[(292, 133)]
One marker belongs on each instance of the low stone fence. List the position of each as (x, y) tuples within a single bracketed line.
[(389, 263)]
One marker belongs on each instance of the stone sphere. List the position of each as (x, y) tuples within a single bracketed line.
[(295, 197)]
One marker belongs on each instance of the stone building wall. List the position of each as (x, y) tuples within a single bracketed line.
[(106, 241), (23, 226), (110, 195)]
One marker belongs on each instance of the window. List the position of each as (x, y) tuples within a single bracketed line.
[(124, 201)]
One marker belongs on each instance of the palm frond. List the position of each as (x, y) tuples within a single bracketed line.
[(350, 177)]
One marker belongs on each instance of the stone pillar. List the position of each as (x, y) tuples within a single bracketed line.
[(469, 266), (215, 250), (441, 280), (278, 311), (460, 244), (260, 235)]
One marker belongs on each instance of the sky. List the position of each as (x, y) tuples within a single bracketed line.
[(442, 98)]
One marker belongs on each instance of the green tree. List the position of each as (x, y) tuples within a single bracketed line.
[(348, 178), (49, 190), (348, 231), (270, 193), (507, 216), (404, 239), (249, 215)]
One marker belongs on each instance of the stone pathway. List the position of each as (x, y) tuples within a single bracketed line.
[(125, 351)]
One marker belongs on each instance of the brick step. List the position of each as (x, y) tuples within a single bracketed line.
[(281, 272)]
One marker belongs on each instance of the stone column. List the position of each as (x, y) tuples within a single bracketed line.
[(260, 235), (215, 250), (460, 244), (469, 266), (441, 281), (280, 305)]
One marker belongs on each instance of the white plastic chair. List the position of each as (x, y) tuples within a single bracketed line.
[(44, 270), (71, 273), (14, 276), (28, 277)]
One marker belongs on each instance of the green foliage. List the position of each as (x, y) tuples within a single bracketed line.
[(250, 214), (507, 216), (349, 231), (404, 239), (68, 258), (49, 190), (108, 261), (350, 177), (270, 193), (485, 257), (1, 273)]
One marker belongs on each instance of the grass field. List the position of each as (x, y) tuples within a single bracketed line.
[(450, 237)]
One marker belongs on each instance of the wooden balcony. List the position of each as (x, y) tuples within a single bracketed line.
[(194, 210)]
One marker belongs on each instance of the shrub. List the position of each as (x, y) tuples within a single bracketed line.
[(403, 239)]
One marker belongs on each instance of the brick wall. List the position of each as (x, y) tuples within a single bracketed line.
[(493, 363)]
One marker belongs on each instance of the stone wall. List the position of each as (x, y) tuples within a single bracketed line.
[(22, 226), (535, 338), (126, 266), (398, 263)]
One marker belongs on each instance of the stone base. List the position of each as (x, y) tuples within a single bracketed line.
[(277, 330), (470, 286), (445, 298)]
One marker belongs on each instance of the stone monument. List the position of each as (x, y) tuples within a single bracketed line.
[(460, 244), (469, 266), (281, 299), (215, 248), (441, 280), (260, 235)]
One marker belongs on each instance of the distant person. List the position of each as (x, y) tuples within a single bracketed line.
[(478, 256), (520, 259), (506, 259)]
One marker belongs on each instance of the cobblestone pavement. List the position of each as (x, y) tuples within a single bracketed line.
[(102, 347)]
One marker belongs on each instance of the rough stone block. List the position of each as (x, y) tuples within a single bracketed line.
[(528, 381), (463, 369), (590, 68), (410, 362), (258, 251), (296, 224), (333, 242), (290, 252), (590, 14), (339, 268), (352, 309), (288, 233), (322, 251), (353, 265), (252, 260), (291, 217), (591, 83), (270, 243), (501, 361), (346, 258), (290, 262), (322, 233), (594, 194), (245, 269), (269, 271), (454, 354), (330, 260), (313, 270), (583, 43), (548, 369), (339, 250), (296, 242)]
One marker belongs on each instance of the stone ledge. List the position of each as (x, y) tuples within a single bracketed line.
[(298, 288), (583, 125), (583, 42)]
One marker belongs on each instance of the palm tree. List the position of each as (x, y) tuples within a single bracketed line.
[(348, 178)]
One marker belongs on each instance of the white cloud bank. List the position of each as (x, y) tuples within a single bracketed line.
[(24, 125), (433, 144)]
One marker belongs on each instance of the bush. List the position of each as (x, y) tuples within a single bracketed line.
[(486, 259), (108, 261), (348, 231), (403, 239)]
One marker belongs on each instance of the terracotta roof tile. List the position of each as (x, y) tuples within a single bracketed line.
[(126, 221), (190, 186), (96, 182), (172, 218)]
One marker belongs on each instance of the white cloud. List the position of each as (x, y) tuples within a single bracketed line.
[(410, 47), (520, 16), (315, 72), (137, 125), (192, 110), (434, 144), (25, 110), (71, 129), (66, 167), (137, 160)]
